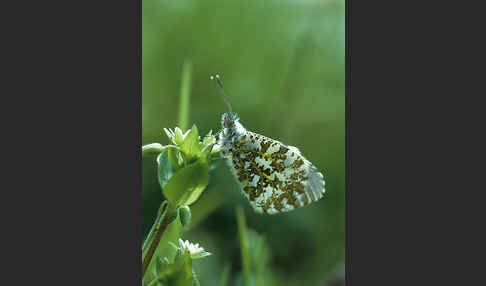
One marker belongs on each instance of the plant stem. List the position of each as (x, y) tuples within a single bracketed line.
[(153, 282), (153, 229), (153, 148), (245, 256), (225, 275), (155, 242), (185, 94)]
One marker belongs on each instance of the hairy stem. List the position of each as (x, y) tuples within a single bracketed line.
[(155, 242)]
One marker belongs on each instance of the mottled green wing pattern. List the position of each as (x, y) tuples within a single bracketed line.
[(274, 177)]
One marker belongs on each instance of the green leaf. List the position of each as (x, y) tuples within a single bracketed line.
[(164, 169), (187, 184), (178, 273), (190, 145)]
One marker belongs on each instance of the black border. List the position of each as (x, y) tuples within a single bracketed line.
[(347, 142), (138, 105), (83, 68), (79, 187)]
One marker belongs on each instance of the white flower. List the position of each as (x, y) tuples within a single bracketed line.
[(194, 249)]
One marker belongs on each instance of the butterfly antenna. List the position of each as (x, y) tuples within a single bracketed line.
[(219, 85)]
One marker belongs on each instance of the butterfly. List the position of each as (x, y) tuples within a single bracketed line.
[(274, 177)]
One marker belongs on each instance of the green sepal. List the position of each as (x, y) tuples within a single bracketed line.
[(178, 273), (185, 216), (190, 146)]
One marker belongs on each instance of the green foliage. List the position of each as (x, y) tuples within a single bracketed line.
[(255, 254), (225, 276), (245, 253), (193, 179), (282, 63), (259, 258), (190, 146), (183, 180), (165, 168), (178, 273), (185, 216), (183, 174), (154, 148)]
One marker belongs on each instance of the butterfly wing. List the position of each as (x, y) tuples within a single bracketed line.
[(274, 177)]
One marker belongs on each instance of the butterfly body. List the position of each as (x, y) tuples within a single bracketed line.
[(273, 176)]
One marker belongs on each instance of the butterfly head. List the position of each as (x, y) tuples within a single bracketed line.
[(229, 120), (232, 128)]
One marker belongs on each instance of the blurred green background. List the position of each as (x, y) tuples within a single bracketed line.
[(282, 64)]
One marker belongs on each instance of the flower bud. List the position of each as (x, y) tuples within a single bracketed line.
[(178, 255), (185, 216)]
